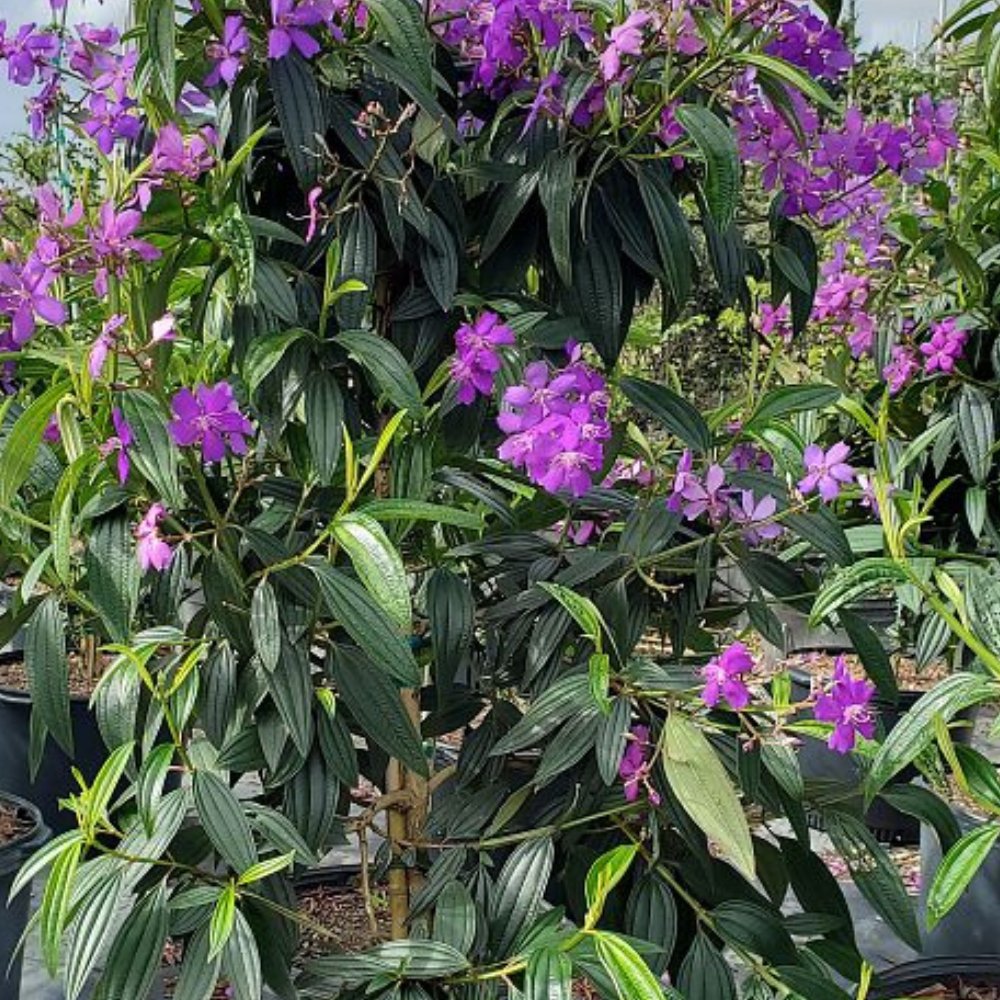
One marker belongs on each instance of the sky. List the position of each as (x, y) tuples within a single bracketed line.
[(881, 21)]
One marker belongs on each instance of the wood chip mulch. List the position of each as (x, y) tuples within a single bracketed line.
[(14, 676), (341, 910), (959, 990), (14, 823)]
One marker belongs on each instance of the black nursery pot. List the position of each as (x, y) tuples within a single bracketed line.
[(14, 913), (54, 780), (970, 928), (819, 763), (905, 980)]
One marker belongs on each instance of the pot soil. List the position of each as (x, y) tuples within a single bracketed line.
[(22, 832), (942, 979), (970, 928), (54, 780), (820, 764)]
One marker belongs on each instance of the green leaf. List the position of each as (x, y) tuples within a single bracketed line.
[(792, 399), (161, 31), (519, 891), (717, 145), (854, 582), (387, 366), (105, 784), (199, 973), (114, 574), (300, 114), (673, 411), (982, 596), (410, 959), (976, 430), (241, 961), (549, 976), (43, 857), (915, 730), (276, 295), (596, 295), (90, 931), (368, 624), (223, 918), (509, 205), (922, 803), (419, 510), (605, 873), (651, 914), (755, 929), (672, 232), (439, 262), (875, 875), (137, 950), (704, 974), (265, 869), (555, 188), (957, 869), (632, 977), (451, 613), (824, 532), (236, 243), (704, 790), (378, 564), (324, 411), (401, 24), (21, 444), (55, 905), (455, 918), (265, 353), (583, 610), (612, 739), (568, 696), (224, 821), (48, 670), (265, 625), (149, 788), (783, 72), (358, 262), (154, 455), (375, 703)]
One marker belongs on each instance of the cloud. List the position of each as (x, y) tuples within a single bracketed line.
[(17, 12)]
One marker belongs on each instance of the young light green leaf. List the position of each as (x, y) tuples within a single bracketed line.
[(957, 870), (265, 869), (605, 873), (632, 977), (223, 918)]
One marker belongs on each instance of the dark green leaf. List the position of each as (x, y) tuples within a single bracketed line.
[(224, 820), (675, 413), (48, 670), (387, 366), (300, 113)]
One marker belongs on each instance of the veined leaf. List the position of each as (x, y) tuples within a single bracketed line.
[(704, 790), (377, 563), (717, 145), (958, 868)]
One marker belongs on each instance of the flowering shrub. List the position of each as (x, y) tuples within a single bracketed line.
[(313, 389)]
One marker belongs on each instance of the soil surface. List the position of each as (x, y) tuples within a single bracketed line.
[(14, 823), (909, 676), (81, 682), (341, 911)]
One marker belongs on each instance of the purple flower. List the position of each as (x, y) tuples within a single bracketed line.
[(556, 423), (103, 344), (288, 21), (773, 322), (227, 54), (902, 367), (724, 677), (119, 442), (477, 355), (210, 417), (847, 704), (114, 244), (25, 298), (152, 549), (826, 472), (683, 477), (312, 203), (634, 769), (945, 348), (164, 329), (27, 53), (110, 120), (756, 516), (52, 434), (626, 40), (710, 496), (186, 156), (869, 493)]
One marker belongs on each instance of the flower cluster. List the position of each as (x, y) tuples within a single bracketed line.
[(711, 496), (477, 355), (939, 353), (556, 423)]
